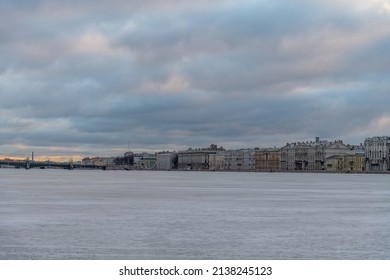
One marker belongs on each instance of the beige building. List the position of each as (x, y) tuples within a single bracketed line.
[(267, 159), (335, 163), (345, 163), (354, 162), (217, 161)]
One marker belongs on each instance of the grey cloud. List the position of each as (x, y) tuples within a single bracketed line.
[(173, 73)]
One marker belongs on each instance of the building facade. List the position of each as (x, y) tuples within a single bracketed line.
[(98, 161), (334, 163), (148, 162), (144, 161), (197, 159), (217, 161), (377, 153), (309, 156), (338, 148), (166, 160), (240, 160), (267, 159), (354, 162), (313, 155)]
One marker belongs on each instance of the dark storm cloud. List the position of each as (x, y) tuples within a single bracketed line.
[(95, 75)]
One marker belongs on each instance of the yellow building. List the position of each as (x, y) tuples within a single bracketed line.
[(345, 163), (354, 163), (335, 163), (267, 159)]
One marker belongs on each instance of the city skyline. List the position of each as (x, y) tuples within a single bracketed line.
[(106, 154), (77, 78)]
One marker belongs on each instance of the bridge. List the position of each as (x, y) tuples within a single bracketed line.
[(27, 164)]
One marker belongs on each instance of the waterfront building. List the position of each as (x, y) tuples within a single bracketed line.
[(308, 155), (166, 160), (267, 159), (217, 161), (144, 161), (98, 161), (312, 155), (354, 162), (137, 158), (334, 163), (338, 148), (346, 162), (240, 160), (377, 153), (148, 162), (197, 159)]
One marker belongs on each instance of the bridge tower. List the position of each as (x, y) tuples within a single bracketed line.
[(71, 164)]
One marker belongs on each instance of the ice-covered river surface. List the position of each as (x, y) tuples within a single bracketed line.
[(61, 214)]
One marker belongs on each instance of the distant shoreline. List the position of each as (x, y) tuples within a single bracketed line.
[(122, 168)]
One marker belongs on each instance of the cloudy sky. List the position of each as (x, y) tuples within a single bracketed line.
[(81, 78)]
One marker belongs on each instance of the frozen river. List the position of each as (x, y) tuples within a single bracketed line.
[(61, 214)]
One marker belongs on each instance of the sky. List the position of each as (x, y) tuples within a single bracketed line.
[(84, 78)]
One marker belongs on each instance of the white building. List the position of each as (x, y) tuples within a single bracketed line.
[(197, 159), (166, 160), (307, 155), (338, 148), (240, 160), (377, 153), (312, 155), (99, 161)]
